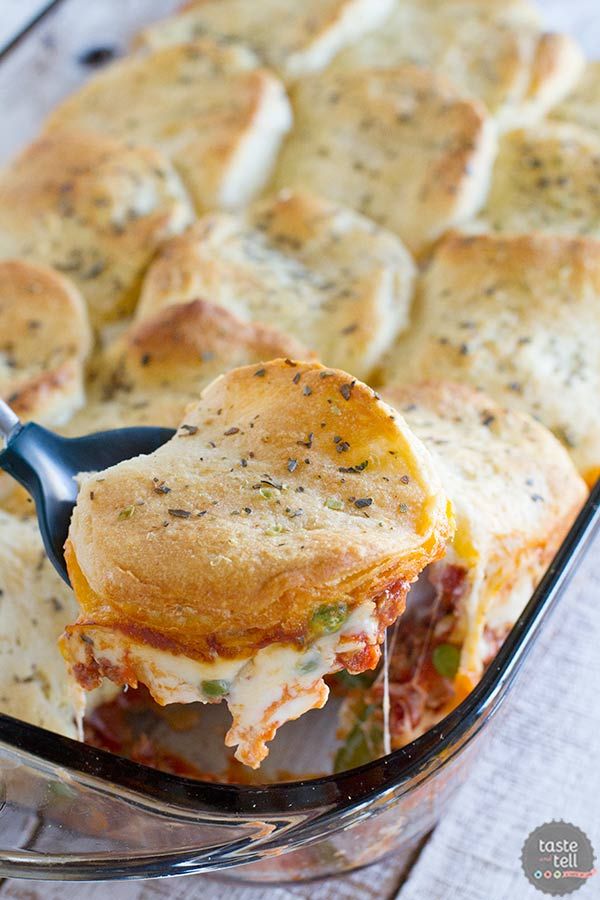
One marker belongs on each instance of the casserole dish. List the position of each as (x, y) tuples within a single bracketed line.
[(72, 812)]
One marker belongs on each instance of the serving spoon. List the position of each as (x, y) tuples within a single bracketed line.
[(47, 464)]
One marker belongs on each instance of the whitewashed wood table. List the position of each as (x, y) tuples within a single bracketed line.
[(545, 761)]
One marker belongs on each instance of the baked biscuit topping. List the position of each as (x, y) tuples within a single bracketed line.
[(291, 261), (493, 50), (207, 106), (93, 208), (293, 38), (400, 145), (290, 497), (44, 341), (517, 316), (151, 373), (515, 493), (545, 179)]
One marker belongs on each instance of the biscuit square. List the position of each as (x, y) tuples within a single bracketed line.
[(317, 271), (292, 38), (209, 107), (44, 340), (545, 179), (518, 317), (493, 50), (93, 208), (399, 145)]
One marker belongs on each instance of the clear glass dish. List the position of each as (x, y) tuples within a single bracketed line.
[(69, 811)]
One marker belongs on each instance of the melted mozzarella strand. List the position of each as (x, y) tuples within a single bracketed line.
[(387, 740)]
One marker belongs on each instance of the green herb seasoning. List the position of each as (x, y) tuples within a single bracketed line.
[(275, 530), (446, 659), (334, 503), (355, 470), (127, 512), (348, 682), (179, 513)]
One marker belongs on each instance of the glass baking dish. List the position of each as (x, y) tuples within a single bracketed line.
[(70, 811)]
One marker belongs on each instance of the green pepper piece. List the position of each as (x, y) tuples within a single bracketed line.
[(446, 659), (347, 682), (363, 743), (328, 618), (216, 688)]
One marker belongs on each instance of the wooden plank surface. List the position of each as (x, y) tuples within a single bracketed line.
[(42, 68)]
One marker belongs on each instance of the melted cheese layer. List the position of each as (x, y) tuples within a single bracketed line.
[(263, 691)]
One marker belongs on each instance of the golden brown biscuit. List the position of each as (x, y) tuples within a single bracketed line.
[(207, 106), (545, 179), (582, 106), (293, 38), (35, 606), (44, 340), (315, 270), (151, 373), (490, 49), (269, 542), (399, 145), (93, 208), (519, 317), (515, 493)]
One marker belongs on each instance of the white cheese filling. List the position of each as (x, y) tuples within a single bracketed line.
[(263, 691)]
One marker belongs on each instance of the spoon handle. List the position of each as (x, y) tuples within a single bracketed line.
[(8, 420)]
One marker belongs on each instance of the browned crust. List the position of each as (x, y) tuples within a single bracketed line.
[(45, 329), (102, 185), (388, 593), (184, 331), (554, 54), (37, 396)]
